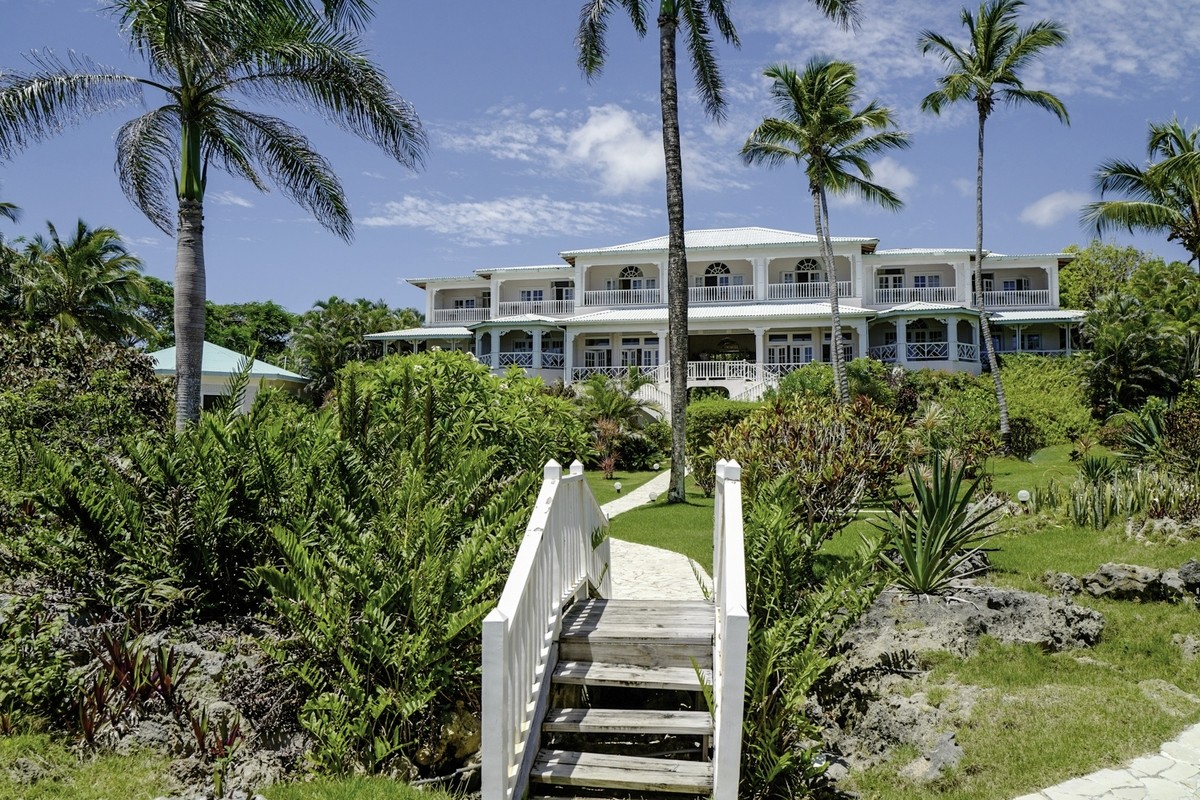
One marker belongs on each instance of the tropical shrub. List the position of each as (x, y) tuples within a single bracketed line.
[(705, 420), (941, 529), (831, 454), (1024, 437), (34, 664), (1143, 492), (618, 422), (866, 376)]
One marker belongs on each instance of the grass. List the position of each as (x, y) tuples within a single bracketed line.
[(683, 527), (353, 788), (39, 767), (1046, 717), (605, 490)]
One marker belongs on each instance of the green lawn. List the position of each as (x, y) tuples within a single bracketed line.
[(683, 527), (605, 490), (38, 767), (354, 788)]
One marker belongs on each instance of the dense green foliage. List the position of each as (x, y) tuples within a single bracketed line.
[(706, 419), (867, 376), (1096, 270), (624, 434)]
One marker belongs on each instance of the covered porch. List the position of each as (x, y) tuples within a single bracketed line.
[(1047, 333), (945, 338), (532, 343)]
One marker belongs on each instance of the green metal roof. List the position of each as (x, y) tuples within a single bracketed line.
[(223, 361)]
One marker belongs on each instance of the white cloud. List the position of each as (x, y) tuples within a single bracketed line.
[(888, 172), (615, 146), (144, 241), (965, 187), (1053, 208), (506, 220), (376, 175), (230, 199)]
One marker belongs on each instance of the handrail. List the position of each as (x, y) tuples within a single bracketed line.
[(732, 630), (555, 565)]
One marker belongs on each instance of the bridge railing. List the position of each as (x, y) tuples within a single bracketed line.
[(555, 564), (733, 630)]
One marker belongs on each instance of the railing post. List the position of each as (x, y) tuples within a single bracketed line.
[(498, 745), (732, 634)]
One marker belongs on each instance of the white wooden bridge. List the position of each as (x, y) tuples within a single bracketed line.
[(588, 695)]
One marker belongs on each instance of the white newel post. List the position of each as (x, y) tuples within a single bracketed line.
[(732, 631), (901, 341)]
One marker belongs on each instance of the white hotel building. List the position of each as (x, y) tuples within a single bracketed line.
[(758, 308)]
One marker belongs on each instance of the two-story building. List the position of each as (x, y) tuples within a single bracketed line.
[(758, 308)]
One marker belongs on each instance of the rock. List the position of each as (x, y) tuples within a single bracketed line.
[(932, 765), (1189, 646), (1169, 698), (1189, 575), (1062, 583), (1130, 582)]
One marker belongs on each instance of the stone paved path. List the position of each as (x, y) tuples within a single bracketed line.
[(1171, 774), (641, 572)]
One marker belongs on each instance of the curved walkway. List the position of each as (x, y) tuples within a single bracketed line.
[(1171, 774), (642, 572)]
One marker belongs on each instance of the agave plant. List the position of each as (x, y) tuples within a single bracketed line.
[(939, 531)]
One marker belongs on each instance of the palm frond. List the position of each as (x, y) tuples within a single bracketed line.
[(705, 71), (593, 30), (1040, 99), (147, 150), (289, 159)]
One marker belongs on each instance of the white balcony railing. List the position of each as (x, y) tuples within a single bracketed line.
[(523, 359), (623, 297), (460, 316), (805, 291), (779, 370), (926, 294), (552, 308), (929, 351), (553, 360), (1039, 352), (1019, 297), (883, 352), (968, 351), (720, 294), (722, 371), (657, 374)]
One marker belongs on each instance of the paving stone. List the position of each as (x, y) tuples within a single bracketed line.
[(1181, 752), (1151, 765), (1181, 772), (1161, 789), (1127, 793)]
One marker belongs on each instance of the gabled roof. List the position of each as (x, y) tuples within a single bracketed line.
[(421, 334), (222, 361), (704, 313), (717, 238)]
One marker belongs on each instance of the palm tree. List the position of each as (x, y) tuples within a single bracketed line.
[(818, 128), (88, 285), (985, 71), (1163, 197), (698, 18), (9, 305), (204, 58)]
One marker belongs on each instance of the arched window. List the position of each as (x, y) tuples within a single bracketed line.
[(631, 272), (807, 265), (808, 270), (718, 274), (632, 277), (717, 269)]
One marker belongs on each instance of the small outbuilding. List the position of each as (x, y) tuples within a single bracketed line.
[(220, 365)]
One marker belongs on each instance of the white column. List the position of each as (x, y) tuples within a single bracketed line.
[(1052, 282), (1068, 329), (962, 280), (760, 277), (580, 283), (568, 355), (864, 340), (952, 337), (1019, 343), (662, 280), (858, 278), (760, 349), (478, 343), (901, 341), (537, 348), (495, 297), (430, 303), (662, 347)]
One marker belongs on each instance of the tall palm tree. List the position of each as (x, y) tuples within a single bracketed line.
[(1163, 197), (986, 71), (89, 284), (698, 18), (204, 58), (819, 128)]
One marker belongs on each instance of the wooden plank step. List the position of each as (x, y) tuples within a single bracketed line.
[(602, 771), (585, 673), (640, 633), (639, 609), (627, 720), (683, 654)]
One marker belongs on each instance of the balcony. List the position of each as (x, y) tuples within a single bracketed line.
[(968, 351), (925, 351), (805, 291), (659, 374), (547, 308), (926, 294), (459, 316), (521, 358), (720, 294), (1016, 298), (623, 297)]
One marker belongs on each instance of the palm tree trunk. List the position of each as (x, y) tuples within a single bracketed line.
[(841, 388), (985, 326), (677, 282), (189, 312)]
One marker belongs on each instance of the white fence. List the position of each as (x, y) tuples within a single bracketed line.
[(733, 629), (623, 297), (1018, 297), (720, 294), (722, 370), (548, 307), (924, 294), (805, 291), (554, 565), (459, 316)]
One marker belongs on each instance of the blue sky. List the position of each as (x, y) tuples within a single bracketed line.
[(527, 158)]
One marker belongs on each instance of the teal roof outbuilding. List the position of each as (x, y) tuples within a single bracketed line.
[(224, 362)]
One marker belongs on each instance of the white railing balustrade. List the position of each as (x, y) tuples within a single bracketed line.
[(555, 565), (968, 351), (460, 316), (1019, 297), (720, 294), (659, 397), (1013, 351), (523, 359), (779, 370), (623, 297), (805, 291), (929, 351), (553, 308), (885, 352), (553, 360), (722, 370), (732, 632), (924, 294), (656, 374)]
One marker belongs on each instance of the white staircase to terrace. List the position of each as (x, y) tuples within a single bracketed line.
[(589, 695)]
